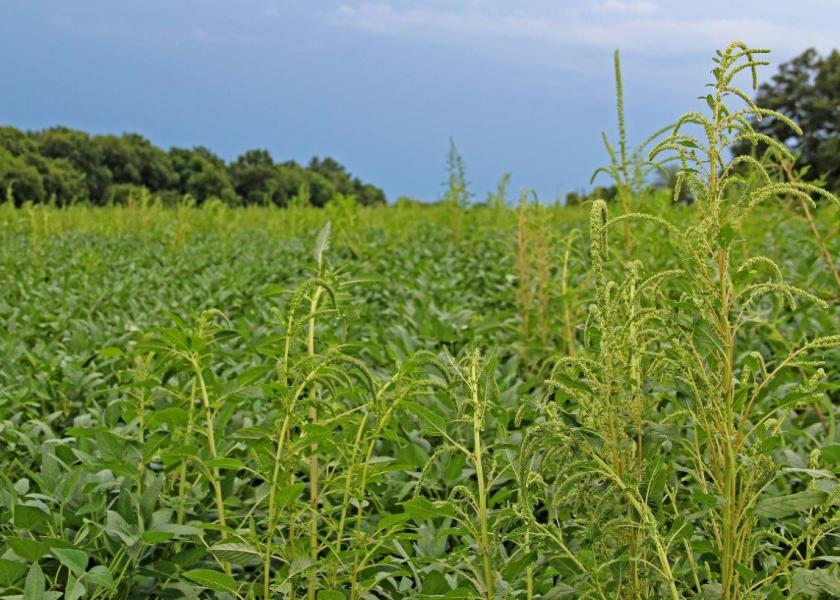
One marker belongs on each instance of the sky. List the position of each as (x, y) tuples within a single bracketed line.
[(524, 86)]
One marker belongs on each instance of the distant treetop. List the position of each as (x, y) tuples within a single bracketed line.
[(65, 166)]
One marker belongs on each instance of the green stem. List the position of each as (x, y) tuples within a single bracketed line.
[(272, 506), (314, 467), (211, 442), (489, 577)]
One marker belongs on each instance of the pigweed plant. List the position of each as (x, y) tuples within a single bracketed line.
[(457, 194), (533, 269), (629, 170), (658, 470)]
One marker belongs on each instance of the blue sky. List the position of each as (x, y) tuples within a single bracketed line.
[(522, 86)]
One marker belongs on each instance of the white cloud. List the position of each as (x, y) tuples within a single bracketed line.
[(623, 7), (633, 26)]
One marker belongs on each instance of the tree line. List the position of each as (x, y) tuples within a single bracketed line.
[(65, 166)]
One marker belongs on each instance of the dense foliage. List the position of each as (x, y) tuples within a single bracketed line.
[(635, 401), (64, 166)]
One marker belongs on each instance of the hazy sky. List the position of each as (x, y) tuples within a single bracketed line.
[(523, 86)]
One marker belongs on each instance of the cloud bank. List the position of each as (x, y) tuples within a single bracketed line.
[(640, 27)]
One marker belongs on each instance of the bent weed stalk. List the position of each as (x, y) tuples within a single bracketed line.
[(629, 171)]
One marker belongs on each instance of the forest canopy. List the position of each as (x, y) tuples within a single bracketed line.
[(66, 166)]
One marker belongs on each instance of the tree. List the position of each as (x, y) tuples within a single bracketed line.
[(17, 142), (254, 176), (202, 175), (258, 180), (62, 181), (321, 190), (368, 194), (807, 90), (290, 177), (344, 183), (80, 149), (71, 166), (131, 158), (19, 180)]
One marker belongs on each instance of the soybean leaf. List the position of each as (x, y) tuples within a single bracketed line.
[(214, 580), (784, 506)]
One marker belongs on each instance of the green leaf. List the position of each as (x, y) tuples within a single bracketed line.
[(236, 552), (421, 508), (331, 595), (784, 506), (435, 584), (156, 537), (115, 525), (75, 560), (74, 589), (322, 243), (830, 454), (173, 417), (253, 375), (300, 564), (31, 550), (390, 520), (560, 591), (179, 529), (814, 583), (514, 567), (35, 585), (289, 493), (29, 517), (726, 235), (214, 580), (226, 463), (101, 576), (110, 352), (437, 421), (560, 378), (10, 571)]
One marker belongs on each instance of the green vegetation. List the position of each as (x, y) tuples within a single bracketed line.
[(63, 166), (633, 401)]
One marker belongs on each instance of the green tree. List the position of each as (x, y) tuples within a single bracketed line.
[(20, 180), (344, 183), (61, 180), (290, 177), (80, 149), (321, 189), (71, 166), (258, 180), (202, 175), (17, 142), (806, 89), (131, 158), (254, 176)]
